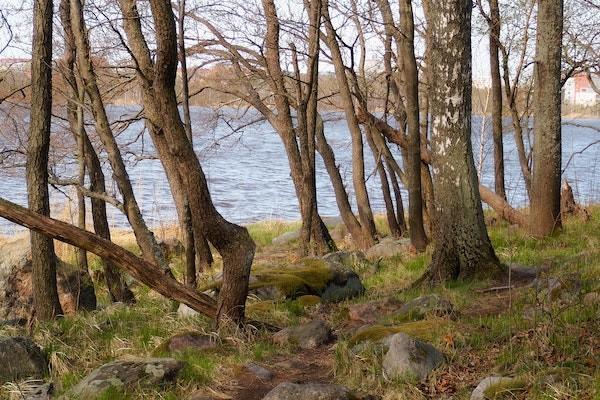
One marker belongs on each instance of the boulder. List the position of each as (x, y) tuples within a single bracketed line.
[(487, 388), (330, 278), (126, 374), (286, 238), (309, 391), (409, 357), (388, 247), (307, 336), (420, 307), (75, 288), (259, 371), (21, 358), (188, 341), (372, 311)]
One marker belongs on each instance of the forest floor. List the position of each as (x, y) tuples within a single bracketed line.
[(552, 348)]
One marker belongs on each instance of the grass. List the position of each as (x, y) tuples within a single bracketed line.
[(550, 348)]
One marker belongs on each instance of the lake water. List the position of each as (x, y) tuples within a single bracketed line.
[(248, 172)]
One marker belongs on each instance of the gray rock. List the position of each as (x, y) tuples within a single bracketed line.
[(486, 383), (309, 391), (185, 311), (409, 357), (388, 247), (307, 336), (286, 238), (430, 304), (21, 358), (126, 374), (259, 371)]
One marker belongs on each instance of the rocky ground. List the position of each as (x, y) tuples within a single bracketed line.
[(348, 327)]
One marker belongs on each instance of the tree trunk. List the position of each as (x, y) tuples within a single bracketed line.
[(385, 186), (145, 238), (75, 117), (158, 82), (462, 248), (545, 188), (150, 274), (358, 161), (359, 237), (413, 159), (494, 41), (45, 294)]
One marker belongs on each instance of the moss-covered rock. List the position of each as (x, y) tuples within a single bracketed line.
[(329, 279), (374, 333)]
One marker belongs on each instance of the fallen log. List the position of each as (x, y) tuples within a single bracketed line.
[(141, 270)]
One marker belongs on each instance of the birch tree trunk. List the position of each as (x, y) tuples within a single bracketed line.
[(545, 187)]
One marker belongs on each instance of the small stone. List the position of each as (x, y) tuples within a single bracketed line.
[(388, 247), (591, 298), (480, 392), (286, 238), (370, 312), (408, 356), (125, 374), (21, 358), (190, 340), (185, 311), (420, 307), (308, 336), (309, 391), (260, 372)]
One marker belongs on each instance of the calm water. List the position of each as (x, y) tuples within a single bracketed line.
[(249, 178)]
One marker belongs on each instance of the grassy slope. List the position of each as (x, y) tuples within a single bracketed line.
[(555, 354)]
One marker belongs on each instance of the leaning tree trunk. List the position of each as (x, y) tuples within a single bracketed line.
[(358, 161), (361, 239), (494, 41), (545, 186), (45, 294), (144, 271), (462, 248)]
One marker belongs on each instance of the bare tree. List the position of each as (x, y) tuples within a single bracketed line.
[(115, 283), (43, 259), (157, 80)]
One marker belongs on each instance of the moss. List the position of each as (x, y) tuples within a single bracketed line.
[(309, 276), (420, 329)]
